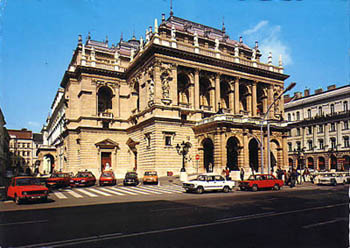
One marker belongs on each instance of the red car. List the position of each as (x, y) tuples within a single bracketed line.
[(58, 180), (27, 188), (261, 181), (107, 178), (85, 178)]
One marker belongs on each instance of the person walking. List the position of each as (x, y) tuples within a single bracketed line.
[(242, 174)]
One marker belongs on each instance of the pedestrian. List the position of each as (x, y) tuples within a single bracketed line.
[(306, 173), (242, 174), (227, 174), (210, 167)]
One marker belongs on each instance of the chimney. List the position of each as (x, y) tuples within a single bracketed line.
[(286, 98), (318, 91), (331, 87), (297, 95), (306, 92)]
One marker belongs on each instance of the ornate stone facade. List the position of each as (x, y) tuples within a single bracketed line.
[(129, 105)]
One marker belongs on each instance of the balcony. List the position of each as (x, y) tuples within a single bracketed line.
[(206, 108)]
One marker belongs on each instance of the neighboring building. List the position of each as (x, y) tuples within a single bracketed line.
[(4, 149), (23, 148), (130, 104), (319, 128), (50, 153)]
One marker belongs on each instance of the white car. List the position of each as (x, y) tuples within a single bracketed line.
[(329, 178), (208, 182)]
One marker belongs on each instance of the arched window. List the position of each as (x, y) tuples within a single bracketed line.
[(183, 89), (309, 113), (320, 111), (204, 86), (104, 99), (224, 95), (289, 117)]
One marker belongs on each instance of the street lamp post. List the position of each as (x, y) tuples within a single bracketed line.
[(268, 130), (300, 154), (183, 149)]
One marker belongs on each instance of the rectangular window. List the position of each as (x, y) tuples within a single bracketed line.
[(346, 125), (346, 142), (298, 116), (298, 131), (333, 143), (289, 146), (309, 113), (332, 127), (320, 128), (309, 130), (310, 144), (298, 146), (321, 145), (168, 140)]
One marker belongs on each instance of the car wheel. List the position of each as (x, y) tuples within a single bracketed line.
[(334, 183), (200, 190), (226, 189), (255, 188), (17, 200), (276, 187), (241, 188)]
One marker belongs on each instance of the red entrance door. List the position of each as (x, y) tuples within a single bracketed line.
[(106, 161)]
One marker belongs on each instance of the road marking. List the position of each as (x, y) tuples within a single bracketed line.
[(23, 222), (75, 194), (99, 192), (120, 235), (168, 189), (137, 191), (73, 241), (149, 190), (59, 195), (162, 191), (87, 193), (111, 190), (124, 191), (324, 223), (8, 201), (245, 216)]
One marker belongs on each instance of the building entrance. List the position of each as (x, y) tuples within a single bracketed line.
[(106, 162), (232, 154), (208, 147), (254, 155)]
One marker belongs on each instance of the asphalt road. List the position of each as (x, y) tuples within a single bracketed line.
[(315, 217)]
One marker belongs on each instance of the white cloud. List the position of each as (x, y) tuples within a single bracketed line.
[(33, 124), (269, 38), (256, 28)]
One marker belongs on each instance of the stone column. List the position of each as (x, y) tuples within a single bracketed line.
[(231, 98), (249, 104), (254, 98), (236, 95), (217, 91), (196, 89), (245, 149), (157, 83), (173, 87), (117, 100), (270, 100), (284, 152)]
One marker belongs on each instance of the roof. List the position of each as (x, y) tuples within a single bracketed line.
[(20, 134)]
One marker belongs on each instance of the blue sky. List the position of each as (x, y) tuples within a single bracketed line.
[(37, 38)]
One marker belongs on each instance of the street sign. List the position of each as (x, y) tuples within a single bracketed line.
[(197, 156)]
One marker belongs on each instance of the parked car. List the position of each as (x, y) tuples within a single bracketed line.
[(107, 178), (58, 180), (208, 182), (261, 181), (26, 188), (131, 178), (85, 178), (330, 178), (150, 177)]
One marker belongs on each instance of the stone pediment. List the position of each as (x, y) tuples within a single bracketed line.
[(107, 143)]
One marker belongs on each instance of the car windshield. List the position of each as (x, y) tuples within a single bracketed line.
[(150, 173), (83, 174), (201, 178), (131, 174), (27, 181), (57, 175), (107, 174), (252, 177)]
